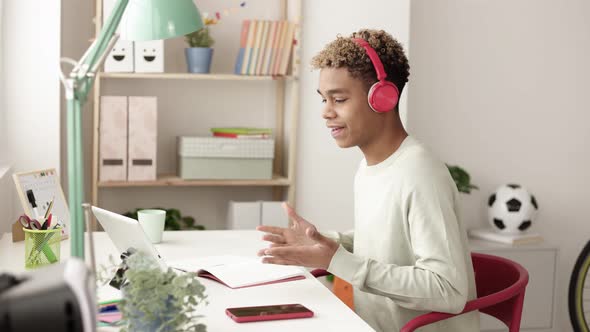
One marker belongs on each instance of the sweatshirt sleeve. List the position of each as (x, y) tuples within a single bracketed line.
[(438, 279), (345, 239)]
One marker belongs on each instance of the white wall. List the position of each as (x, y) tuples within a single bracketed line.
[(500, 88), (324, 171), (31, 49), (2, 107)]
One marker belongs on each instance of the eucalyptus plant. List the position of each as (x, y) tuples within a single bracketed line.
[(158, 300)]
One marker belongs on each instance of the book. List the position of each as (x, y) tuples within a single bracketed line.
[(249, 136), (256, 48), (269, 47), (241, 272), (242, 132), (287, 49), (513, 239), (243, 41), (249, 47), (279, 47), (262, 49)]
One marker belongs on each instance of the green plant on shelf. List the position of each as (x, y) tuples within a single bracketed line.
[(202, 37), (174, 220), (462, 179)]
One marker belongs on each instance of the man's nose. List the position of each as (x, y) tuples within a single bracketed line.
[(328, 112)]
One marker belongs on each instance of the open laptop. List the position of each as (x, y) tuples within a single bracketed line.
[(126, 233)]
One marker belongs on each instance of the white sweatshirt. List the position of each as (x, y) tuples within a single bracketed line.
[(408, 253)]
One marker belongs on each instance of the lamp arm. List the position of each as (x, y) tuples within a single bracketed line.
[(101, 43), (77, 87)]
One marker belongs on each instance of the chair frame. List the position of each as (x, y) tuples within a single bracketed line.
[(505, 304)]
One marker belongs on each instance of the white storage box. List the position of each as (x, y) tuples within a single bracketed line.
[(225, 158)]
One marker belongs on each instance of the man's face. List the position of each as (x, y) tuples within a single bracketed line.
[(346, 110)]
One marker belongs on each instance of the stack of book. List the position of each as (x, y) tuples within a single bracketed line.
[(265, 47), (242, 132), (512, 239)]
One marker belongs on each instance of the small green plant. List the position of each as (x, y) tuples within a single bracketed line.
[(202, 37), (158, 300), (462, 179), (174, 220)]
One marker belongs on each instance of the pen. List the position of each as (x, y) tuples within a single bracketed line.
[(31, 198), (48, 212)]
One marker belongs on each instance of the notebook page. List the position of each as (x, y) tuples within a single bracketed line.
[(250, 273)]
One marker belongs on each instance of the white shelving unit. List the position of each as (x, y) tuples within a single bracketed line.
[(282, 184)]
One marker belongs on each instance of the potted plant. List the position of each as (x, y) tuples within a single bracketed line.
[(199, 53), (174, 220), (154, 299), (462, 179)]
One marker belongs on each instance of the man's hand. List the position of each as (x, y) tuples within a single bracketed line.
[(301, 244), (292, 236)]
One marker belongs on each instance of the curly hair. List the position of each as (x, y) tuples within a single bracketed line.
[(344, 52)]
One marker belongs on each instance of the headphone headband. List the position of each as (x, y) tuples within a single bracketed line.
[(381, 75)]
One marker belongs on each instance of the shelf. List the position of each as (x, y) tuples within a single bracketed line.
[(189, 76), (175, 181)]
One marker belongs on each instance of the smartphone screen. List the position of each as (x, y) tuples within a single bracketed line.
[(270, 312)]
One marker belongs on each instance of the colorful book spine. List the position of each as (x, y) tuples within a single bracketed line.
[(256, 48), (249, 46), (243, 41), (242, 136), (270, 47)]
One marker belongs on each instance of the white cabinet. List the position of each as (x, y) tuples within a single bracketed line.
[(540, 260)]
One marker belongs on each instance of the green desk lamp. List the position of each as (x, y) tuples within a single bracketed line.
[(145, 20)]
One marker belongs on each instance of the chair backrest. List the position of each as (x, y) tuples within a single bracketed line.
[(500, 285)]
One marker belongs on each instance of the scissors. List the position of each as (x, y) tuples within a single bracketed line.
[(32, 223)]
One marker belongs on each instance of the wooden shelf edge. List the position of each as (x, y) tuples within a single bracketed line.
[(189, 76), (175, 181)]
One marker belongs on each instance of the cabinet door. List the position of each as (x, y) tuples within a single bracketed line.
[(538, 301)]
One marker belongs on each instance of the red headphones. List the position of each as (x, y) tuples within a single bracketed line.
[(383, 95)]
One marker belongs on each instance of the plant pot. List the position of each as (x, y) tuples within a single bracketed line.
[(140, 323), (198, 59)]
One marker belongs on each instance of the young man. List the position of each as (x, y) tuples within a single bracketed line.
[(408, 252)]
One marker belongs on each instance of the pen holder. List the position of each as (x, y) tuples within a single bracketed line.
[(42, 247)]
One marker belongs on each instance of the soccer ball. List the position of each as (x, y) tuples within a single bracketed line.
[(512, 209)]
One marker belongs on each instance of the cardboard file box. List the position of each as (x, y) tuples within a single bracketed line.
[(113, 138), (225, 158), (143, 128), (149, 56)]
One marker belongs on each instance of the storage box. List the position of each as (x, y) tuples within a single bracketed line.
[(243, 215), (143, 134), (113, 138), (225, 158), (120, 59), (149, 56)]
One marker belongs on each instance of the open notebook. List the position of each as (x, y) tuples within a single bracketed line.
[(239, 272)]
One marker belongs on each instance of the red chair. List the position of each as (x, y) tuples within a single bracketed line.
[(500, 285)]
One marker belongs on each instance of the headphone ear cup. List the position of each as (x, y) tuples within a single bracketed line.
[(383, 96)]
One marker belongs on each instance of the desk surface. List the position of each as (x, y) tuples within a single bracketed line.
[(330, 312)]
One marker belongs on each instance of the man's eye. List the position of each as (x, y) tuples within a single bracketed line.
[(323, 101), (339, 100)]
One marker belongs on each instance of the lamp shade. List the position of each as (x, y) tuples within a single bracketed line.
[(159, 19)]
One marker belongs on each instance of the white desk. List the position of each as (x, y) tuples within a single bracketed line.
[(330, 313)]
